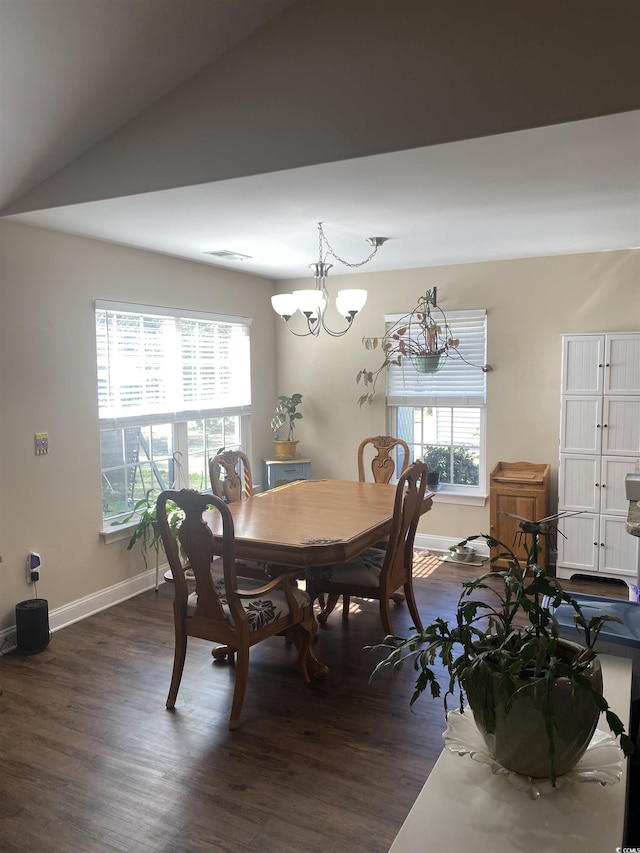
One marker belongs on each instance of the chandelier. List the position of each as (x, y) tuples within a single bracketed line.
[(422, 337), (312, 304)]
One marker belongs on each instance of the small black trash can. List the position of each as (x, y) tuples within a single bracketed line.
[(32, 625)]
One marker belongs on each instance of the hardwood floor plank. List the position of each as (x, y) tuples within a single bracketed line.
[(92, 762)]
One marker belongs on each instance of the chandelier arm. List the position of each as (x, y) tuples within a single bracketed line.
[(337, 334), (303, 334)]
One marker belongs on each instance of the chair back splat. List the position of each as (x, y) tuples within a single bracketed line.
[(382, 465), (237, 483), (223, 609)]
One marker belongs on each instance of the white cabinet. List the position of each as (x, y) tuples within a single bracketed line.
[(599, 445)]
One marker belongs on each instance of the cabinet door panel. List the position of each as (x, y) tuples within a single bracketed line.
[(618, 554), (581, 425), (622, 359), (582, 364), (579, 483), (579, 550), (613, 499), (621, 426)]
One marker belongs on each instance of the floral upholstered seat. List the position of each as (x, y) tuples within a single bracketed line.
[(261, 610)]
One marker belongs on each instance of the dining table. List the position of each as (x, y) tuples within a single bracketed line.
[(311, 522)]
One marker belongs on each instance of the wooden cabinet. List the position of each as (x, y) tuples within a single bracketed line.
[(599, 445), (277, 472), (522, 489)]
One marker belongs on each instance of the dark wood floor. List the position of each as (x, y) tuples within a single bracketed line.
[(91, 760)]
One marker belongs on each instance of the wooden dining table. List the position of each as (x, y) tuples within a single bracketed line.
[(311, 522)]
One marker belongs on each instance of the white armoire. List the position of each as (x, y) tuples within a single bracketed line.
[(599, 445)]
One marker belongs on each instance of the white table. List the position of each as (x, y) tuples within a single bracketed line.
[(464, 808)]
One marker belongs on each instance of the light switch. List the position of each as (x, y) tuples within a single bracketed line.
[(42, 443)]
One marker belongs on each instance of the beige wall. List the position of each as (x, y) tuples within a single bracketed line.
[(48, 282), (530, 303), (52, 504)]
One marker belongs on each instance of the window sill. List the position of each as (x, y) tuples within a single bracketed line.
[(451, 496), (117, 532)]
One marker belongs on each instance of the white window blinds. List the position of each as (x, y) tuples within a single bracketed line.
[(157, 365), (456, 382)]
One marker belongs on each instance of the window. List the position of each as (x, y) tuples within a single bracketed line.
[(174, 387), (441, 415)]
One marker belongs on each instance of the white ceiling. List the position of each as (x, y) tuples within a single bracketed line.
[(70, 79)]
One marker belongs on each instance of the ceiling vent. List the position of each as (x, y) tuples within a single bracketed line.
[(226, 255)]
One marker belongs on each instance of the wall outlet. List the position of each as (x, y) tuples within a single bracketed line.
[(33, 567)]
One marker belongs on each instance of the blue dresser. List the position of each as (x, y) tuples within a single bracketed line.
[(277, 472)]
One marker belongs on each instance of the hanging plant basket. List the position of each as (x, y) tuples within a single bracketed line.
[(428, 363)]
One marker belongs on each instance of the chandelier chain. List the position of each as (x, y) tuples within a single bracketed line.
[(330, 250)]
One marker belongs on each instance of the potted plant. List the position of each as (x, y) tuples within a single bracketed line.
[(147, 530), (286, 411), (435, 460), (536, 698)]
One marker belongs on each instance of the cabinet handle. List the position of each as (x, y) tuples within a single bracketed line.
[(605, 425), (607, 364), (596, 544), (597, 484), (597, 426), (604, 485), (602, 544), (598, 366)]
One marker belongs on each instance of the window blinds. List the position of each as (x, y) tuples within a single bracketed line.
[(157, 365), (455, 383)]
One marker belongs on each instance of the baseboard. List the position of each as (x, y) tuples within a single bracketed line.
[(97, 601), (105, 598)]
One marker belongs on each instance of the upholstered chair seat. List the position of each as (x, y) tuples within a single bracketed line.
[(266, 607)]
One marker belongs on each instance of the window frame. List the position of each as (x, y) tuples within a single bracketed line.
[(185, 347), (414, 398)]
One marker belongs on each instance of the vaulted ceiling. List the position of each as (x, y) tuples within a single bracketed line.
[(462, 131)]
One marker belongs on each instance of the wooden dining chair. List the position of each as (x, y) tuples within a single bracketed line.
[(237, 482), (383, 468), (383, 465), (377, 573), (230, 476), (236, 613)]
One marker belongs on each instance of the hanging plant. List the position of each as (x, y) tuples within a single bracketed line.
[(423, 337)]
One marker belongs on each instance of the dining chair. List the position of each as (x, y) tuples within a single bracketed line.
[(383, 465), (237, 482), (230, 476), (383, 468), (377, 572), (236, 613)]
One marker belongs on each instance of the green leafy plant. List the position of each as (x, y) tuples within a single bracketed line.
[(287, 409), (465, 464), (147, 531), (486, 639)]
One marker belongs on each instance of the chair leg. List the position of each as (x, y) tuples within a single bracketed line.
[(301, 636), (242, 674), (327, 610), (413, 607), (385, 616), (397, 597), (179, 656), (346, 600)]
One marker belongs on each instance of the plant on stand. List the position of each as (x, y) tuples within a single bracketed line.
[(536, 698), (286, 411)]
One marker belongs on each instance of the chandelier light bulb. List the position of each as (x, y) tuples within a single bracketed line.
[(349, 302)]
